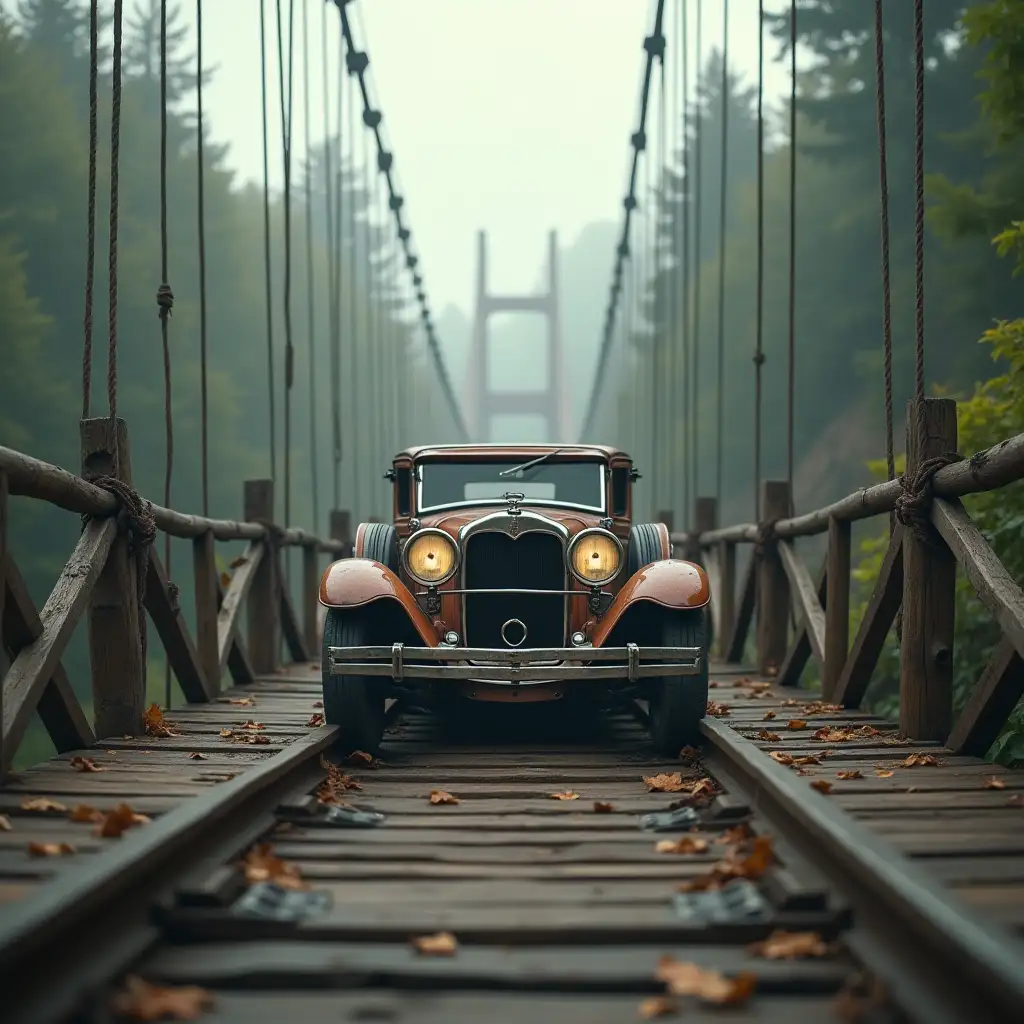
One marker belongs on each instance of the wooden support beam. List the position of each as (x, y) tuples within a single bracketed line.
[(929, 590), (882, 607), (837, 606), (264, 603), (993, 699), (726, 596), (799, 652), (115, 629), (182, 656), (772, 586), (293, 638), (310, 592), (207, 590), (744, 615), (242, 583), (810, 614)]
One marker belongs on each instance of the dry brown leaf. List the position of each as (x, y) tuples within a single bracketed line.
[(684, 844), (85, 764), (261, 864), (884, 773), (225, 580), (769, 715), (995, 783), (49, 849), (41, 804), (439, 796), (712, 685), (737, 834), (822, 786), (794, 761), (142, 1001), (118, 821), (603, 807), (85, 813), (315, 721), (257, 738), (796, 723), (565, 795), (749, 860), (768, 737), (781, 756), (665, 782), (240, 560), (717, 710), (791, 702), (820, 707), (919, 761), (196, 756), (5, 823), (252, 725), (331, 790), (441, 944), (851, 774), (783, 945), (227, 733), (242, 701), (360, 757), (319, 703), (657, 1006), (687, 979), (155, 723), (689, 755)]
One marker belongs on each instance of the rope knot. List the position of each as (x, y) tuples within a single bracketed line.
[(766, 537), (759, 358), (275, 533), (134, 513), (164, 300), (913, 505)]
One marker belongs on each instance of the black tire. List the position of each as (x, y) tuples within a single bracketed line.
[(380, 542), (354, 703), (643, 548), (678, 703)]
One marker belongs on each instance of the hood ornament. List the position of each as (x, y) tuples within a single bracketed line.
[(513, 511)]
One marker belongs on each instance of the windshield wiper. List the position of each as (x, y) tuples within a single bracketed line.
[(533, 462)]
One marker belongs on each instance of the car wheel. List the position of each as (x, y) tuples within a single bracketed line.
[(678, 703), (354, 703), (643, 548), (380, 543)]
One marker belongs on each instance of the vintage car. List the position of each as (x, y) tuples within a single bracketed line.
[(514, 573)]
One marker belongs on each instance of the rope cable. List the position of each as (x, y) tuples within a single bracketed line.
[(759, 322), (267, 261), (791, 339), (115, 162), (90, 255), (672, 369), (201, 227), (686, 252), (357, 336), (658, 336), (722, 223), (339, 222), (310, 272), (332, 300), (919, 214), (699, 121)]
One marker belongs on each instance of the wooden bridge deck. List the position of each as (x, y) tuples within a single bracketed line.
[(560, 911)]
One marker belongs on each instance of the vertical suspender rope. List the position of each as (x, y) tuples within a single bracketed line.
[(332, 300), (687, 337), (370, 184), (310, 273), (201, 227), (90, 256), (883, 196), (657, 328), (671, 370), (115, 161), (697, 263), (286, 147), (339, 224), (356, 332), (791, 374), (919, 214), (758, 326), (722, 222), (267, 266)]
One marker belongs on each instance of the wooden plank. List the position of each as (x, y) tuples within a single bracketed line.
[(263, 609), (744, 614), (811, 617), (208, 600), (174, 634), (991, 703), (36, 663), (929, 592), (294, 641), (996, 589), (234, 599), (726, 596), (799, 652), (882, 607), (837, 606)]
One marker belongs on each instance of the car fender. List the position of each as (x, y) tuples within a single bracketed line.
[(355, 582), (671, 583)]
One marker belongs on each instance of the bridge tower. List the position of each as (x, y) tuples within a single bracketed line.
[(549, 401)]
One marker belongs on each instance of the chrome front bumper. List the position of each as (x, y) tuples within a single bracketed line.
[(532, 665)]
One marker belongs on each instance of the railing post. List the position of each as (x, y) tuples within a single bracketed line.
[(726, 596), (310, 593), (929, 592), (341, 528), (264, 612), (115, 637), (204, 574), (837, 605), (772, 584)]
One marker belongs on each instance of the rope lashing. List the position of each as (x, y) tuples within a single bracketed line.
[(90, 258), (164, 301), (766, 537), (913, 505)]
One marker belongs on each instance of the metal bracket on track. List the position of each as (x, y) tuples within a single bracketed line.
[(669, 821), (740, 902), (267, 901)]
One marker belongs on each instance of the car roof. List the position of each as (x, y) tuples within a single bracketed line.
[(491, 450)]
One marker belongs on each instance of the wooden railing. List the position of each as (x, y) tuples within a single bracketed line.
[(917, 575), (116, 586)]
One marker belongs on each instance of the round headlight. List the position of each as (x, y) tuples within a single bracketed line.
[(595, 557), (431, 557)]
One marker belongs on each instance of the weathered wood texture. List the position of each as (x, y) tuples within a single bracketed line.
[(810, 615), (837, 605), (929, 584), (799, 652), (991, 703), (291, 629), (264, 608), (772, 585), (247, 568), (744, 614), (207, 600)]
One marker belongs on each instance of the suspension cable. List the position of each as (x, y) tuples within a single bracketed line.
[(698, 269), (310, 272), (267, 264), (722, 224), (356, 316), (919, 215), (791, 369), (687, 338), (672, 369), (332, 300), (335, 183), (759, 320), (658, 336), (115, 162), (201, 227), (90, 256)]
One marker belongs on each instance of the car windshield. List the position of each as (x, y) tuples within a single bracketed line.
[(445, 484)]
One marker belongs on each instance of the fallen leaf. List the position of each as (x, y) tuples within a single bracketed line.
[(822, 786), (566, 795), (769, 715), (359, 757), (196, 756), (155, 723), (820, 707), (687, 979), (85, 813), (41, 804), (657, 1006), (441, 944), (749, 860), (852, 774), (49, 849), (226, 733), (261, 864), (768, 737), (5, 823), (783, 945), (684, 844), (337, 783), (919, 761), (85, 764), (736, 834), (315, 721), (712, 685), (252, 725), (884, 773), (240, 560), (793, 760), (225, 580), (995, 783), (439, 796), (242, 701), (250, 737), (665, 782), (118, 821), (791, 702), (141, 1000), (796, 723), (717, 710), (319, 703), (601, 807)]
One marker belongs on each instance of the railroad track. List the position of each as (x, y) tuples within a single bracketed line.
[(560, 907)]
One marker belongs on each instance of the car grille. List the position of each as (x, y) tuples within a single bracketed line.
[(533, 561)]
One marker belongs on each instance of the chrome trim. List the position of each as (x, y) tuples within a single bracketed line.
[(572, 544), (422, 533), (514, 622)]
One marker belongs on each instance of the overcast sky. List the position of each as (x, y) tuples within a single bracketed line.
[(509, 115)]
